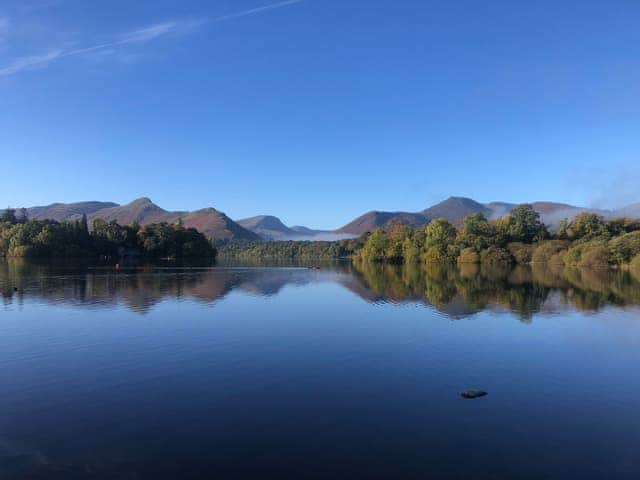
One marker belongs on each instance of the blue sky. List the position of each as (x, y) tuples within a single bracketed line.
[(319, 110)]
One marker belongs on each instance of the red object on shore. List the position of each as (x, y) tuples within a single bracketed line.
[(117, 266)]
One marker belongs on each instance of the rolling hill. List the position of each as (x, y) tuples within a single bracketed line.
[(64, 211), (375, 219), (455, 209), (632, 211), (269, 228), (214, 224), (218, 226)]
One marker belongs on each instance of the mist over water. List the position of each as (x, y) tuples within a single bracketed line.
[(318, 237)]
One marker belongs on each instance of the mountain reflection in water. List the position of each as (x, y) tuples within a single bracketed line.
[(457, 292)]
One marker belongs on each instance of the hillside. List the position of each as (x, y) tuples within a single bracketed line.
[(218, 226), (267, 226), (300, 230), (64, 211), (455, 209), (551, 213), (142, 210), (214, 224), (632, 211), (374, 219)]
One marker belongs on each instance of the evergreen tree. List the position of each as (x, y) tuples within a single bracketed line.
[(9, 216), (23, 217), (84, 226)]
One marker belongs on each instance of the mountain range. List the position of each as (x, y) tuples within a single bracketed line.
[(218, 226), (272, 228), (455, 209), (209, 221)]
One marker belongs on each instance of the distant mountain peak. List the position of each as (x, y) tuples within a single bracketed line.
[(267, 226), (219, 226), (456, 198), (207, 210), (209, 221), (270, 227), (141, 201), (455, 209), (451, 202), (376, 219)]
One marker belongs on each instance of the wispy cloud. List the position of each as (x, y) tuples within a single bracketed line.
[(141, 35), (152, 32), (32, 61), (253, 11)]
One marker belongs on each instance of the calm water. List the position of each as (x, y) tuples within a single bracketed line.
[(338, 372)]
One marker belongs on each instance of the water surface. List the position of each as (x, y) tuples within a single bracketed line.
[(337, 372)]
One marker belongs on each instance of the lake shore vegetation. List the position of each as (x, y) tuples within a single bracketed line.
[(517, 238), (21, 237)]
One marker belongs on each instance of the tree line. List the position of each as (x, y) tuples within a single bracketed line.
[(519, 237), (291, 249), (21, 237)]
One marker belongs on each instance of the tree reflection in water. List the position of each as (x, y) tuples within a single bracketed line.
[(457, 291)]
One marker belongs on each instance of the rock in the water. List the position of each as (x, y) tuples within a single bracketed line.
[(473, 393)]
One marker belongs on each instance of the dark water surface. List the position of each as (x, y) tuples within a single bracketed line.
[(338, 372)]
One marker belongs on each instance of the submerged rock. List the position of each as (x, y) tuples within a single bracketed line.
[(472, 393)]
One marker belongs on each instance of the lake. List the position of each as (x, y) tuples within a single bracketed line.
[(340, 371)]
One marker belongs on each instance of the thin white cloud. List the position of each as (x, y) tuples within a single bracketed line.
[(141, 35), (32, 61), (152, 32), (253, 11)]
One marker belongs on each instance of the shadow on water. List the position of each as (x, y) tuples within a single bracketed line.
[(456, 291)]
